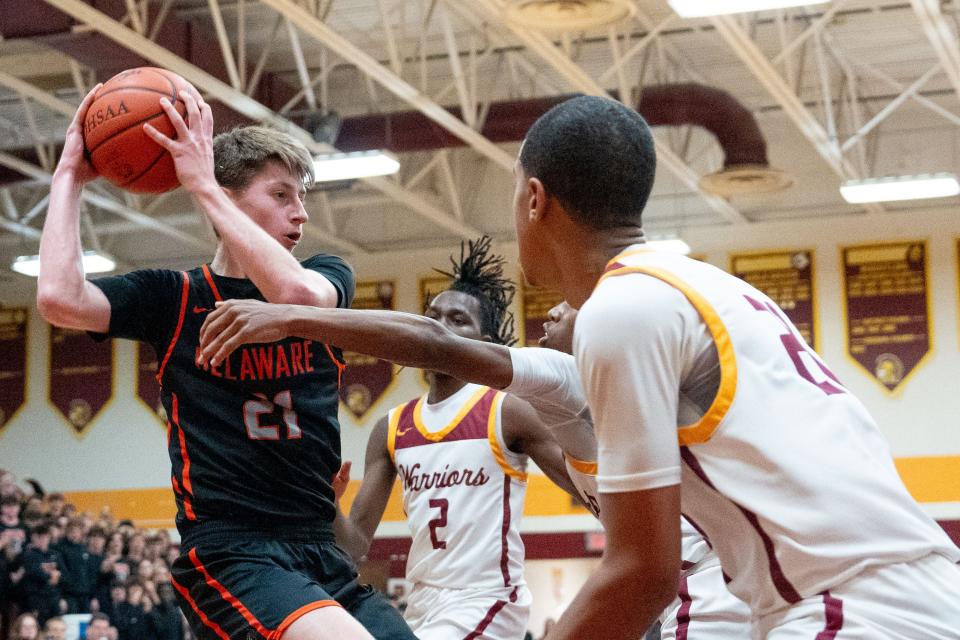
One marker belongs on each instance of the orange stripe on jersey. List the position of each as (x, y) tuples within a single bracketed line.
[(203, 617), (299, 613), (187, 485), (392, 432), (340, 365), (495, 440), (213, 285), (588, 468), (702, 430), (229, 597), (450, 426), (184, 294)]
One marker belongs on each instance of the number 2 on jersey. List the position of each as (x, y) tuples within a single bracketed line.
[(439, 521), (254, 409)]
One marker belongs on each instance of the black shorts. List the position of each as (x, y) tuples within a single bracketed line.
[(246, 585)]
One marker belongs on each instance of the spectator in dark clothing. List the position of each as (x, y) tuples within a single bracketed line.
[(168, 616), (13, 535), (79, 567), (135, 618), (116, 596), (99, 628), (40, 585)]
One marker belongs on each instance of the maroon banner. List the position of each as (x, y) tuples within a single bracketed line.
[(13, 362), (887, 308), (81, 376), (431, 286), (367, 379), (787, 278), (536, 303), (148, 389)]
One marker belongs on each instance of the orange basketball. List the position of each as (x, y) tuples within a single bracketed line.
[(113, 134)]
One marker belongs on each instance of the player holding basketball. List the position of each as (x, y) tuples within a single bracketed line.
[(785, 471), (546, 378), (254, 441)]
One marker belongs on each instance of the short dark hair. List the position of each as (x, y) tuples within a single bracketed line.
[(479, 274), (596, 156), (97, 532), (41, 529), (9, 500)]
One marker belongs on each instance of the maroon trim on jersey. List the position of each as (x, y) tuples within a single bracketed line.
[(780, 581), (833, 615), (504, 530), (491, 614), (613, 266), (472, 426), (213, 285), (699, 530), (686, 565), (683, 614), (184, 294)]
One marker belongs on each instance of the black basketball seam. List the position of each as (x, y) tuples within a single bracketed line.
[(125, 87), (132, 125), (145, 171), (173, 87)]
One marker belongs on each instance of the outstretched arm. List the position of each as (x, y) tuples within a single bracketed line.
[(269, 265), (64, 297), (354, 533), (404, 338)]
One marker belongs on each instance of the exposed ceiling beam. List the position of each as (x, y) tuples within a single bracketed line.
[(39, 95), (243, 104), (581, 81), (97, 200), (389, 80), (941, 36), (763, 70)]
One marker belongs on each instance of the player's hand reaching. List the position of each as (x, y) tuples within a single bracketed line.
[(192, 149), (74, 163), (237, 322)]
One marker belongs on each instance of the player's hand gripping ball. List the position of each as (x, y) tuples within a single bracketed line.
[(113, 134)]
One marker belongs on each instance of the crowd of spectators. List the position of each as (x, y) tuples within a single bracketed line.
[(56, 561)]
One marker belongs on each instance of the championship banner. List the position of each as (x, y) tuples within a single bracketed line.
[(887, 308), (13, 362), (536, 303), (787, 278), (429, 287), (366, 378), (81, 375), (148, 389)]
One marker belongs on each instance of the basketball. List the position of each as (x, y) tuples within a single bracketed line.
[(113, 134)]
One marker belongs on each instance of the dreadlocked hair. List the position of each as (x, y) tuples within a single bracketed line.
[(480, 274)]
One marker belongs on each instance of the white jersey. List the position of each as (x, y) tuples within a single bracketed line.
[(550, 382), (463, 490), (785, 471)]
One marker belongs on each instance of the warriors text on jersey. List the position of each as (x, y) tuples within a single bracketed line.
[(256, 438), (784, 471), (463, 490)]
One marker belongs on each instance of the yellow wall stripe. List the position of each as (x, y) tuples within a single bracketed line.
[(929, 479)]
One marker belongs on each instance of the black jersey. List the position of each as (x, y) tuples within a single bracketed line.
[(255, 439)]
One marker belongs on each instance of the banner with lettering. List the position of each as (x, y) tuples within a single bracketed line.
[(13, 362), (787, 278), (148, 389), (536, 303), (366, 378), (887, 308), (81, 376)]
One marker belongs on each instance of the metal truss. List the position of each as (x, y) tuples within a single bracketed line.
[(232, 94), (580, 80)]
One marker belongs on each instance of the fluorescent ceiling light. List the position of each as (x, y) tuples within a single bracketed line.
[(701, 8), (93, 262), (359, 164), (673, 245), (937, 185)]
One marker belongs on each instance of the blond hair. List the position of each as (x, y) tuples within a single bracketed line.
[(239, 154)]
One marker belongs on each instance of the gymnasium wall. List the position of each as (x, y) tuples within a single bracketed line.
[(125, 447)]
